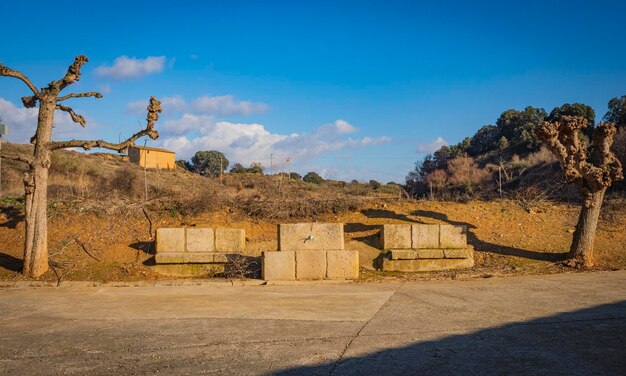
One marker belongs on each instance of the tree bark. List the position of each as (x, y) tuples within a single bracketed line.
[(581, 251), (36, 188)]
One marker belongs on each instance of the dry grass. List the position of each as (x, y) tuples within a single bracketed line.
[(106, 183)]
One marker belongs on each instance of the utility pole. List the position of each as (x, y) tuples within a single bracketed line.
[(289, 166), (272, 163), (500, 180), (3, 130), (221, 169)]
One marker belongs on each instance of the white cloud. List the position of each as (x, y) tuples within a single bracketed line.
[(227, 105), (22, 123), (433, 146), (344, 127), (130, 67), (247, 143)]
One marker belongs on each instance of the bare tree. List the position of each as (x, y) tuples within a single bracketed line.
[(36, 178), (592, 168)]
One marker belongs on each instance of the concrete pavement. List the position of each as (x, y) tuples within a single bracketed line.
[(557, 324)]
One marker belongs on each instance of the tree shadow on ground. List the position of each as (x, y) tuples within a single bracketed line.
[(372, 240), (146, 247), (11, 263), (13, 215), (387, 214), (483, 246), (590, 341)]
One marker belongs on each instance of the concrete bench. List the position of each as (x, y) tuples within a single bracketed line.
[(425, 247), (196, 251), (310, 251)]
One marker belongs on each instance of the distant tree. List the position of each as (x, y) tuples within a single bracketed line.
[(617, 112), (518, 127), (255, 168), (313, 177), (295, 176), (48, 100), (354, 181), (576, 109), (374, 184), (485, 140), (183, 165), (237, 169), (592, 168), (209, 163)]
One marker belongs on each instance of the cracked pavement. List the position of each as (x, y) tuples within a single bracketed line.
[(554, 324)]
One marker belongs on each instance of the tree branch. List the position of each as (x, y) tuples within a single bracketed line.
[(8, 72), (153, 115), (77, 118), (16, 157), (80, 95), (73, 73)]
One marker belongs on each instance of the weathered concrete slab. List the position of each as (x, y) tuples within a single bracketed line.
[(200, 239), (342, 264), (170, 240), (279, 265), (396, 236), (426, 265), (310, 265), (310, 236), (456, 253), (188, 257), (403, 254), (430, 254), (452, 236), (424, 236), (188, 270), (230, 240)]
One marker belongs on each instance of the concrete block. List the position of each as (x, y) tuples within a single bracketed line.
[(403, 254), (456, 253), (230, 240), (424, 236), (451, 236), (200, 240), (190, 258), (426, 265), (396, 236), (342, 264), (188, 270), (170, 240), (310, 236), (430, 253), (279, 266), (310, 265)]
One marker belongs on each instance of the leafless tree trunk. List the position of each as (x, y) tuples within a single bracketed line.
[(36, 178), (593, 168)]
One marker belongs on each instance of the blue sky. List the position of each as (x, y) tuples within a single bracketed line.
[(354, 90)]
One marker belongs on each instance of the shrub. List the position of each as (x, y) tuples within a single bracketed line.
[(374, 184), (313, 177)]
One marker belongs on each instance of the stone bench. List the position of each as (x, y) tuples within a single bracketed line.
[(196, 251), (310, 251), (425, 247)]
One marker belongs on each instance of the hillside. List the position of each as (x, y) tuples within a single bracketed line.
[(101, 227)]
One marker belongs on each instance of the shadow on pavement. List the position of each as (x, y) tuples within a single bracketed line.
[(590, 341)]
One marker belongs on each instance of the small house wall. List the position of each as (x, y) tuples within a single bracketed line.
[(152, 158)]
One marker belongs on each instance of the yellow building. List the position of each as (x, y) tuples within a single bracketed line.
[(148, 157)]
